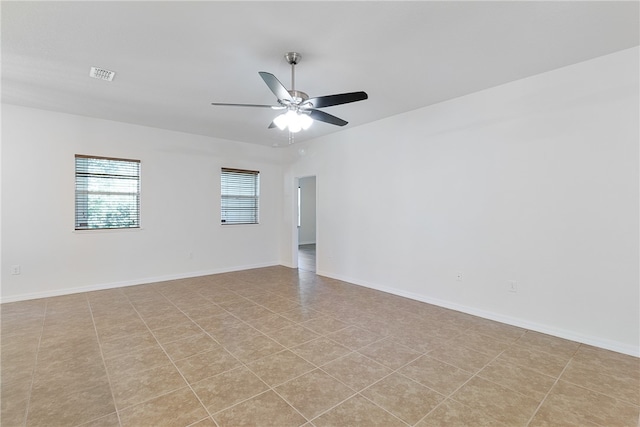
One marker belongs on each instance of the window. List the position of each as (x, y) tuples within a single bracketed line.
[(240, 191), (107, 193)]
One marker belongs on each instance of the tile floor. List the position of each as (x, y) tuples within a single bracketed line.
[(307, 257), (282, 347)]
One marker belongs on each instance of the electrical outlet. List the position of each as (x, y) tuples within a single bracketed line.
[(459, 276), (512, 286), (15, 269)]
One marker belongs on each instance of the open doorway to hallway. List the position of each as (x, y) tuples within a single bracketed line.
[(307, 223)]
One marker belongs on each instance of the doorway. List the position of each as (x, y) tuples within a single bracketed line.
[(307, 223)]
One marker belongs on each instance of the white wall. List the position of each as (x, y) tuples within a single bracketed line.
[(535, 181), (181, 233), (307, 229)]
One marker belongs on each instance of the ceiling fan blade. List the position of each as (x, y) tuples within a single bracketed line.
[(321, 116), (271, 125), (342, 98), (273, 107), (276, 87)]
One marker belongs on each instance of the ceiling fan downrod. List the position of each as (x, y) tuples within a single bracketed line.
[(299, 97), (292, 59)]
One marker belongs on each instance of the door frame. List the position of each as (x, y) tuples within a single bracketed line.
[(294, 222)]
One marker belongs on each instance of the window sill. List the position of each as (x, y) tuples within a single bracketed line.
[(108, 230)]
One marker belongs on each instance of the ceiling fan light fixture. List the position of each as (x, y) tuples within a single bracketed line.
[(294, 121), (281, 121), (305, 121), (295, 127)]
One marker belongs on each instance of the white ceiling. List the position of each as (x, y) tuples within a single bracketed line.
[(172, 59)]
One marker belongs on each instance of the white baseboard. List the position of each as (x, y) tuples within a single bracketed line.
[(522, 323), (133, 282), (509, 320)]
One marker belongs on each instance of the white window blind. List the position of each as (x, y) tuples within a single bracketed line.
[(240, 191), (107, 193)]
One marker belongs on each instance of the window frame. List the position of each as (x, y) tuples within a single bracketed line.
[(81, 191), (245, 215)]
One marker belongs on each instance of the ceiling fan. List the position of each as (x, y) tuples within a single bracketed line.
[(301, 110)]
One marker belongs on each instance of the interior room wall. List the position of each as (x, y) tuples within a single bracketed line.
[(531, 187), (180, 233), (307, 229)]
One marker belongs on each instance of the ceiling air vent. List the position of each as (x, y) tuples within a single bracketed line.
[(101, 73)]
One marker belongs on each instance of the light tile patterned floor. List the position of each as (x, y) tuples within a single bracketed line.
[(307, 257), (281, 347)]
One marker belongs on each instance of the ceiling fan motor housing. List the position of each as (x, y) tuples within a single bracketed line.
[(298, 96)]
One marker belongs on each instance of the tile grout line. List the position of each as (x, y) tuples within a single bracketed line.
[(316, 367), (319, 368), (424, 354), (322, 335), (637, 404), (35, 365), (271, 388), (449, 396), (628, 402), (104, 364), (170, 360), (348, 324), (386, 410), (285, 348), (243, 364), (515, 343), (162, 348), (552, 387), (359, 392), (356, 393)]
